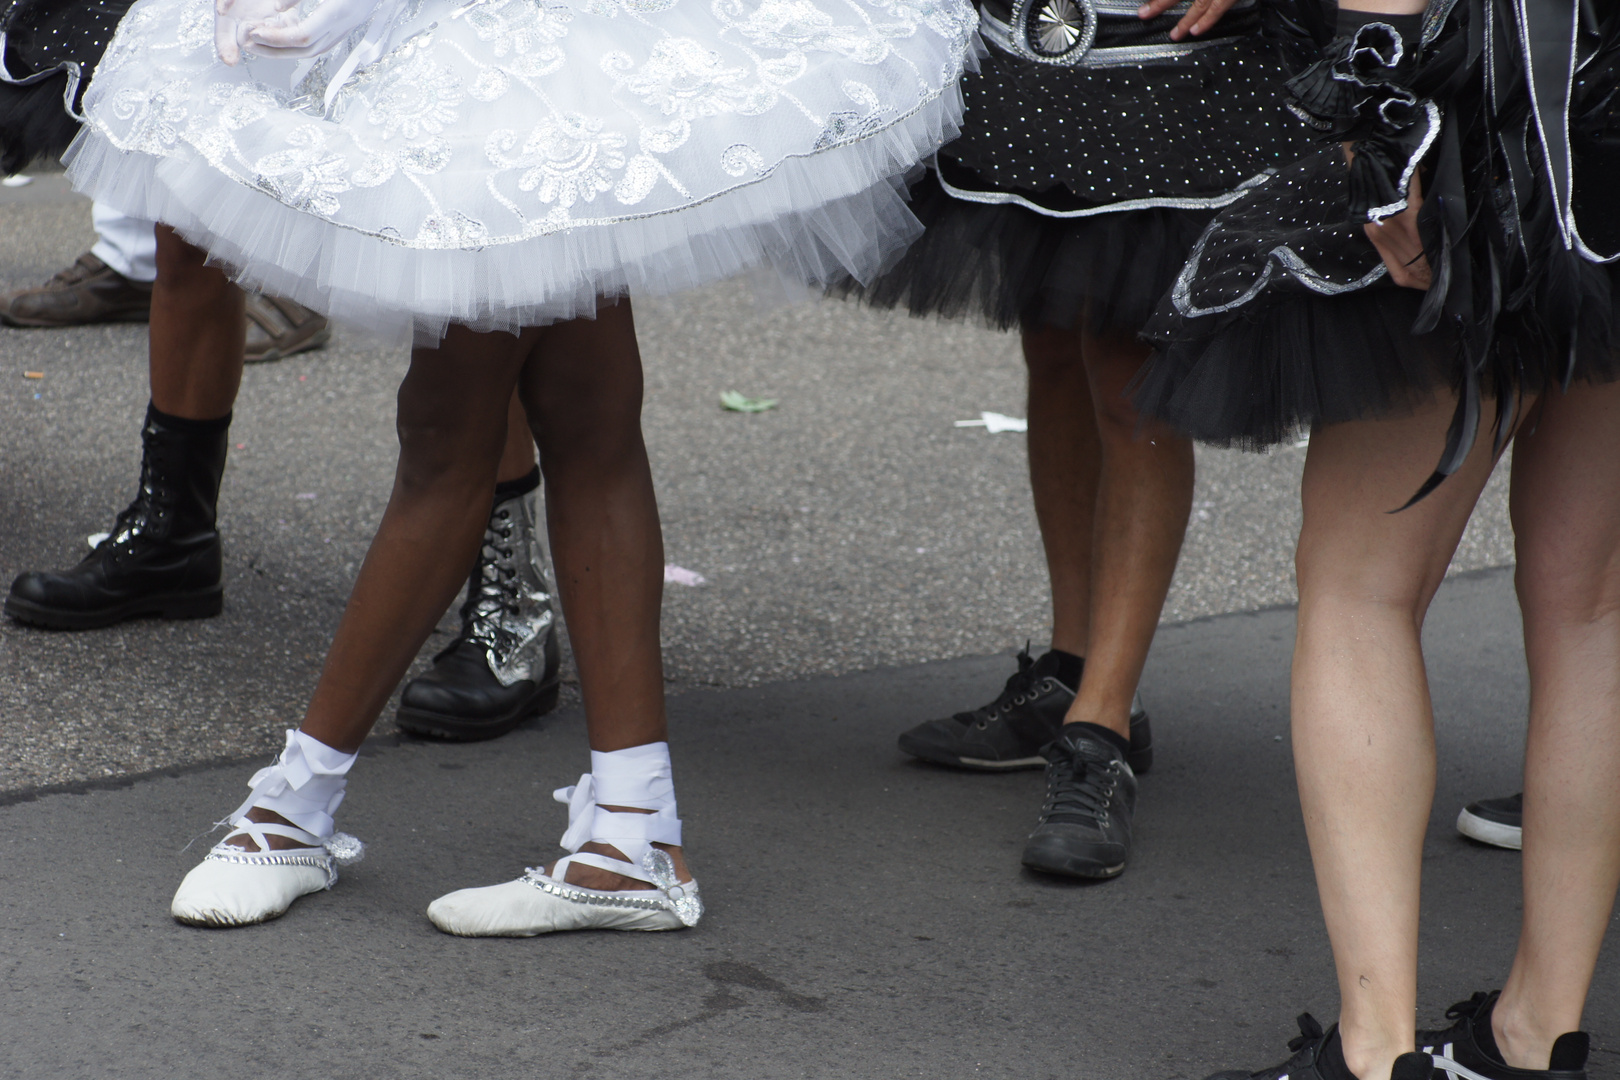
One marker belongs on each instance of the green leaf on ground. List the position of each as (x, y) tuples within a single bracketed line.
[(735, 402)]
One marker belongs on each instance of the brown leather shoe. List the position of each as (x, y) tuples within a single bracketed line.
[(279, 328), (87, 292)]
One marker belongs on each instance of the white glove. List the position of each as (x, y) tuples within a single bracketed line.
[(287, 36), (232, 18)]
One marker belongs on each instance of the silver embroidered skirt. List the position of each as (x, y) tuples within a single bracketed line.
[(506, 162)]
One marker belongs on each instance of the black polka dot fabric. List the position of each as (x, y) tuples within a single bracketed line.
[(44, 34), (1195, 127)]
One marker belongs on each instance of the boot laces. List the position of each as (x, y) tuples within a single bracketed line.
[(496, 593), (148, 504)]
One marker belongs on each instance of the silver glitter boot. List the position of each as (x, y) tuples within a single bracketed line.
[(502, 666)]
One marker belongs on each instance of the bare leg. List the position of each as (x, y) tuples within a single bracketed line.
[(1143, 499), (517, 460), (1363, 729), (1566, 517), (582, 392), (452, 429), (197, 333), (1063, 466)]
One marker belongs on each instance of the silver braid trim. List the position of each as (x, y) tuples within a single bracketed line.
[(316, 860), (654, 901)]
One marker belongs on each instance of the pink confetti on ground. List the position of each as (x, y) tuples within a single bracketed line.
[(680, 575)]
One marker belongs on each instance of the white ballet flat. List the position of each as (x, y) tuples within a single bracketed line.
[(536, 904), (232, 887)]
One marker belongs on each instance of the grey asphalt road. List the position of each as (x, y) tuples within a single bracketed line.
[(867, 916), (853, 527)]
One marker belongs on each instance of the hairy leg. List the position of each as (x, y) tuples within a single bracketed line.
[(1063, 469), (1566, 518), (1363, 729), (1143, 499), (582, 392), (197, 333)]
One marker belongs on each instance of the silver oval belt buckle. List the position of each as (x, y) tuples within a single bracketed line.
[(1053, 31)]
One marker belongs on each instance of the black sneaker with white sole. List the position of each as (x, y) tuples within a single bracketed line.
[(1318, 1055), (1008, 733), (1467, 1049), (1498, 822), (1085, 826)]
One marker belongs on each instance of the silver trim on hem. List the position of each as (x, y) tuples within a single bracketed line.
[(1004, 198)]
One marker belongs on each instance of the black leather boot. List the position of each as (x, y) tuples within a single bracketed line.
[(163, 555), (502, 667)]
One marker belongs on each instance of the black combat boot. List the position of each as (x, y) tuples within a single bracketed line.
[(502, 667), (163, 555)]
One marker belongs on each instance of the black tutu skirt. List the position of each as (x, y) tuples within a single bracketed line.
[(1012, 267), (1326, 337), (1075, 191), (51, 50), (1284, 316)]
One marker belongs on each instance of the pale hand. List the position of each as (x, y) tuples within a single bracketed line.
[(1397, 240), (288, 36), (231, 21), (1203, 15)]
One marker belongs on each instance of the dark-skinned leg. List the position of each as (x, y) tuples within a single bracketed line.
[(517, 459), (582, 392), (196, 334), (1064, 460), (165, 557), (1144, 495), (452, 431)]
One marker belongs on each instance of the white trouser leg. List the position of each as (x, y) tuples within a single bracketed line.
[(126, 244)]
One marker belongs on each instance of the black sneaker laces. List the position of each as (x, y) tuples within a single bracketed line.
[(1013, 694), (1080, 782)]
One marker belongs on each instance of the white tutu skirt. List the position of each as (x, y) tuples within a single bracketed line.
[(506, 162)]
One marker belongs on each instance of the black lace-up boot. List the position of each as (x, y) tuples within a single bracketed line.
[(163, 556), (1467, 1049), (502, 667), (1085, 825), (1319, 1055), (1008, 733)]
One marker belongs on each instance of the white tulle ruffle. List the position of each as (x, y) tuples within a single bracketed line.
[(508, 169)]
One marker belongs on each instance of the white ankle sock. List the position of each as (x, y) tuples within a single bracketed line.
[(638, 777), (305, 785)]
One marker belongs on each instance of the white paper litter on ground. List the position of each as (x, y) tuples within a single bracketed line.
[(995, 423), (680, 575)]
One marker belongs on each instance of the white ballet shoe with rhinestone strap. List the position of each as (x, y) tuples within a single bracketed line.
[(540, 904), (233, 886)]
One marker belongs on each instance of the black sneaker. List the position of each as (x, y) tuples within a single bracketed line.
[(1085, 826), (1467, 1049), (1008, 733), (1498, 822), (1318, 1055)]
